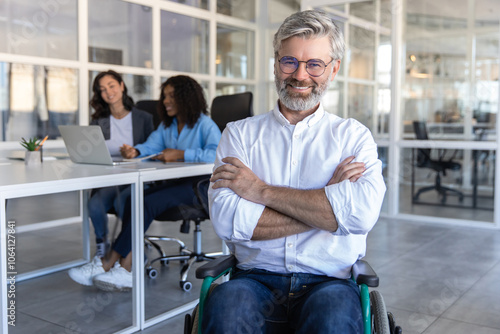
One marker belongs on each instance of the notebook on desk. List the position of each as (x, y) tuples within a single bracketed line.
[(86, 145)]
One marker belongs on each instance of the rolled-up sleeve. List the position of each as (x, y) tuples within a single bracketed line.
[(357, 205), (234, 218)]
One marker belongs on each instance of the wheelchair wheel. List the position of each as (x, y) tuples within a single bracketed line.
[(380, 320), (194, 328)]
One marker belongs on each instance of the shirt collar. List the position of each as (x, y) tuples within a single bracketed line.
[(309, 120)]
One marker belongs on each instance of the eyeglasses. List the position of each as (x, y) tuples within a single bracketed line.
[(314, 67)]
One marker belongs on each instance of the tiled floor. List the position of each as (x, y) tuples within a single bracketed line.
[(434, 278)]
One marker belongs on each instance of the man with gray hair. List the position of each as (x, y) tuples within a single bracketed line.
[(295, 192)]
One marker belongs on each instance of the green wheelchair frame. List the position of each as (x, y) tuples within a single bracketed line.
[(375, 317)]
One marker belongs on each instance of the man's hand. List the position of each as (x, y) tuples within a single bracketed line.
[(170, 155), (128, 152), (347, 170), (239, 178)]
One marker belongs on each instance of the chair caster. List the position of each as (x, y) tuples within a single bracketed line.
[(152, 273), (186, 286)]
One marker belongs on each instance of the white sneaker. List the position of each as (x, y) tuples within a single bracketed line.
[(86, 273), (117, 279)]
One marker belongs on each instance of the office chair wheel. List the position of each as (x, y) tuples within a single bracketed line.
[(186, 286), (380, 320), (152, 273)]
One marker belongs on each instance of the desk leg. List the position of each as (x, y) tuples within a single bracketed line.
[(85, 194), (137, 202)]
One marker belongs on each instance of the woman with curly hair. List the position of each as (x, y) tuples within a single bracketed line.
[(186, 133)]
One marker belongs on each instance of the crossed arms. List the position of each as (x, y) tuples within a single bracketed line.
[(287, 211)]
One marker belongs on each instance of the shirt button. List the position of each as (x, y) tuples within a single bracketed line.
[(296, 136), (290, 245), (290, 267), (294, 162)]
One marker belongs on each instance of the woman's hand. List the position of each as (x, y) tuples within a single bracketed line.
[(170, 155), (128, 152)]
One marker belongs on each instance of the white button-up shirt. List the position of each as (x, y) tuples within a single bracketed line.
[(301, 156)]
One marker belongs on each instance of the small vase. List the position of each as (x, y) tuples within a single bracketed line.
[(33, 158)]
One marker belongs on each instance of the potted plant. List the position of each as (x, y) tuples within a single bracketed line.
[(33, 154)]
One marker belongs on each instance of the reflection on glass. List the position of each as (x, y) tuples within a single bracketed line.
[(341, 26), (383, 110), (384, 60), (184, 43), (228, 89), (278, 10), (120, 33), (235, 48), (383, 155), (487, 73), (386, 13), (362, 53), (39, 28), (241, 9), (473, 179), (486, 13), (139, 87), (333, 100), (364, 10), (360, 103), (340, 8), (39, 100), (203, 4), (437, 87)]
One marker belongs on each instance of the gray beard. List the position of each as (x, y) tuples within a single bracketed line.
[(299, 102)]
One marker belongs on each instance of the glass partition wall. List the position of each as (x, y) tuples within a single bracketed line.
[(446, 69), (450, 86), (50, 51)]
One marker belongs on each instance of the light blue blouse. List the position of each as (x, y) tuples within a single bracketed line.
[(199, 143)]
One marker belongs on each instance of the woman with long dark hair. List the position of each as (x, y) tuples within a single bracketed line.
[(186, 133), (121, 124)]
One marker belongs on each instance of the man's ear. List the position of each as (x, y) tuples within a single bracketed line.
[(336, 68)]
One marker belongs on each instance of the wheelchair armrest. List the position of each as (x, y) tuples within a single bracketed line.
[(363, 273), (216, 267)]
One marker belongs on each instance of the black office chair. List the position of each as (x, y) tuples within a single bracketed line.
[(150, 106), (229, 108), (440, 166), (224, 109)]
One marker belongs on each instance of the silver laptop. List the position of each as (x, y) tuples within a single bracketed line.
[(86, 145)]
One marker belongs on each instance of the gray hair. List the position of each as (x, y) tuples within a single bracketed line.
[(311, 24)]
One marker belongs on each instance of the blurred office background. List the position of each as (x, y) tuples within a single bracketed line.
[(434, 63)]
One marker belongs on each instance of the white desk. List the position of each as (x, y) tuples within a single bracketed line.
[(17, 180)]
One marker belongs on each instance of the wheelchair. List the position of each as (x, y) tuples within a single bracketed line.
[(376, 319)]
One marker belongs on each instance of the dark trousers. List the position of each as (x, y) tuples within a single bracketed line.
[(157, 199)]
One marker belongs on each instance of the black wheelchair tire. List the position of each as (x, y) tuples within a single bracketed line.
[(194, 319), (380, 320)]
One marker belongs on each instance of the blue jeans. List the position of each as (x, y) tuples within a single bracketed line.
[(103, 200), (259, 301)]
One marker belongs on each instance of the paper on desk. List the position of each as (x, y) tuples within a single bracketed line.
[(143, 158)]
